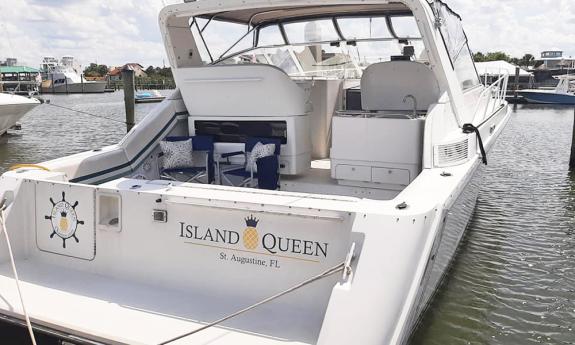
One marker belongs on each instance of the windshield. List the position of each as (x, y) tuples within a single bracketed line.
[(334, 47)]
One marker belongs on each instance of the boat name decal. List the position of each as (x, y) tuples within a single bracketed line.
[(251, 240)]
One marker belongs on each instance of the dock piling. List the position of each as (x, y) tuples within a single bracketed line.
[(572, 158), (516, 83), (129, 100)]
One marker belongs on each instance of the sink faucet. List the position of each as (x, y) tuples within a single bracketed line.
[(414, 104)]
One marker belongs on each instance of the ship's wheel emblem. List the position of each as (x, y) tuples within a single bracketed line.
[(64, 220)]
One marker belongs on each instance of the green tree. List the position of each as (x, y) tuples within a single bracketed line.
[(497, 56), (95, 70), (479, 57), (527, 60)]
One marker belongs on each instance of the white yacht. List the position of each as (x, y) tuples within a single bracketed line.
[(63, 77), (13, 108), (370, 131)]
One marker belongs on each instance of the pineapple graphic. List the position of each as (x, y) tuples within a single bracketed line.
[(251, 236), (63, 222)]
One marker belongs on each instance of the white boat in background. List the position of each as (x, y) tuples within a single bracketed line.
[(564, 93), (63, 77), (149, 96), (359, 208), (13, 108)]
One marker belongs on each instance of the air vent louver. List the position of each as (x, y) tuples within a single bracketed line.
[(451, 154)]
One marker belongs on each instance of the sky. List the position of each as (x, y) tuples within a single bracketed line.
[(114, 32)]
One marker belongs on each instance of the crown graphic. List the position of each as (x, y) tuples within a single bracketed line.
[(251, 221)]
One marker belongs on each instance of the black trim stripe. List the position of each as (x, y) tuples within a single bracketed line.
[(136, 157)]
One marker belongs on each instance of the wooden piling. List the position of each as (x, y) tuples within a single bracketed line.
[(572, 158), (516, 81), (129, 100)]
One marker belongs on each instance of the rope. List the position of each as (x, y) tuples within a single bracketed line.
[(338, 268), (86, 113), (468, 128), (35, 166), (28, 323)]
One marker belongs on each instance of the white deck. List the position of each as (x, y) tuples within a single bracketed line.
[(102, 308)]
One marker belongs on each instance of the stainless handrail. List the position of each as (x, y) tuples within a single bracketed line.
[(494, 93)]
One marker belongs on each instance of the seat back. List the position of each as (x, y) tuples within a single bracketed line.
[(203, 143), (268, 172), (267, 167), (385, 85)]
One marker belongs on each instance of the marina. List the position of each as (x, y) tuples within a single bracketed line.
[(195, 163), (323, 172), (490, 297)]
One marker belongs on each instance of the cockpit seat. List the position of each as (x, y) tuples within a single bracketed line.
[(385, 85)]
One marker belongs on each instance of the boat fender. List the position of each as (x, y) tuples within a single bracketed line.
[(468, 128)]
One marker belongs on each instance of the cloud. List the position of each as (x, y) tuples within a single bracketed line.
[(518, 27), (114, 32), (107, 31)]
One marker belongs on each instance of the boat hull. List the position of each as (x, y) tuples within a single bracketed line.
[(448, 237), (86, 87), (15, 331), (547, 97), (10, 114), (149, 99)]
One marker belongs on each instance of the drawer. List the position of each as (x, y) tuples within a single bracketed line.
[(353, 173), (390, 176)]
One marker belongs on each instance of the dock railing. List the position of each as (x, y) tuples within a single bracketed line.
[(494, 95)]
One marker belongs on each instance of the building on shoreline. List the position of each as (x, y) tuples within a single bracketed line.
[(19, 79), (115, 73), (554, 59), (552, 63)]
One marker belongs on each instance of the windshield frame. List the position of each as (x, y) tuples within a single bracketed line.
[(286, 42)]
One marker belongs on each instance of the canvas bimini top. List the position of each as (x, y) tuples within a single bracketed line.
[(349, 36)]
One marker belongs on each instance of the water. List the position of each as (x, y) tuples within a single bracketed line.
[(49, 131), (513, 281)]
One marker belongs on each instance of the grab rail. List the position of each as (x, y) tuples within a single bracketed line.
[(494, 93)]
